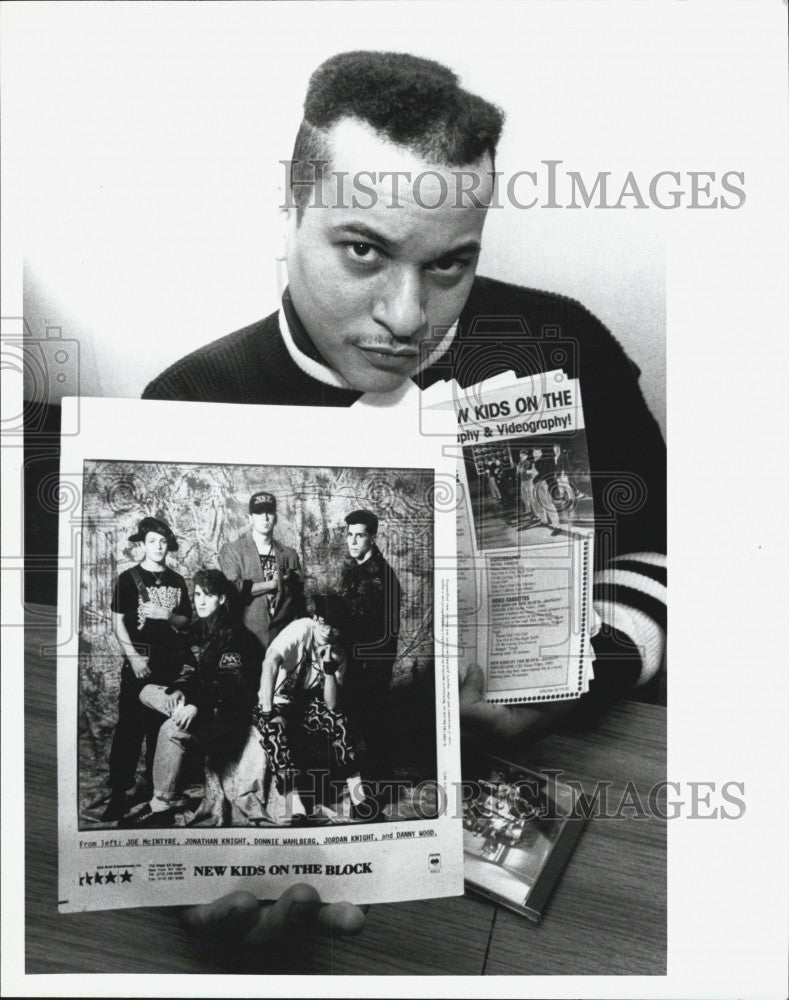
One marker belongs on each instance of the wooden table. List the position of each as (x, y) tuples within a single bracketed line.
[(607, 916)]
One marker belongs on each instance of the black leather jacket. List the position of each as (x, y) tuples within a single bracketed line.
[(217, 675)]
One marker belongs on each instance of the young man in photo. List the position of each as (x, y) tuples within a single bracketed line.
[(300, 696), (150, 606), (208, 705), (266, 574), (372, 595)]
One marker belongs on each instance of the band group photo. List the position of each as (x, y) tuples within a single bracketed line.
[(529, 490), (256, 646)]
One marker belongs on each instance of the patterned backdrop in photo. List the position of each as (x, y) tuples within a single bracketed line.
[(207, 505)]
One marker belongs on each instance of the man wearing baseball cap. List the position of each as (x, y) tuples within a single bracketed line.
[(150, 604), (266, 574)]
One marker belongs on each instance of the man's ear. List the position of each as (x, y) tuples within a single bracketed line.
[(286, 217), (282, 219)]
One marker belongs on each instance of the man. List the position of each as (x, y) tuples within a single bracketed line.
[(382, 288), (207, 706), (266, 574), (150, 604), (545, 487), (371, 591), (299, 696)]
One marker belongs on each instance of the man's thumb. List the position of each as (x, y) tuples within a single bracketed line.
[(472, 686)]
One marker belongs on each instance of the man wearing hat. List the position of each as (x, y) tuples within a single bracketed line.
[(371, 591), (266, 574), (150, 604)]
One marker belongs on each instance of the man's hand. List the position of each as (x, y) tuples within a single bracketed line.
[(479, 717), (331, 658), (240, 919), (292, 582), (139, 665), (157, 612), (174, 700), (184, 715)]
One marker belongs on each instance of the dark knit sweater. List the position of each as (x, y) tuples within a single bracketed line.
[(249, 366), (502, 327)]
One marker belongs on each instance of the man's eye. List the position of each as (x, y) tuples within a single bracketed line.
[(449, 266), (363, 252)]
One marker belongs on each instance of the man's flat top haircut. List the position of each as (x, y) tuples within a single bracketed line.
[(416, 103)]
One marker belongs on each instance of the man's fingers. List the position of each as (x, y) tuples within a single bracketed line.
[(230, 916), (472, 687), (295, 910), (480, 716), (182, 719), (241, 918), (341, 918)]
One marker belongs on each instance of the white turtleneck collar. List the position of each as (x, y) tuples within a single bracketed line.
[(322, 372)]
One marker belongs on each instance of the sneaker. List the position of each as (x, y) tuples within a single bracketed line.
[(367, 811), (147, 818), (141, 793), (116, 809), (309, 819), (318, 819)]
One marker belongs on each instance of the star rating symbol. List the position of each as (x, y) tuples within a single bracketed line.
[(98, 879)]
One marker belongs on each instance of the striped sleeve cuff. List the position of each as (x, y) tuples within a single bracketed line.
[(630, 596)]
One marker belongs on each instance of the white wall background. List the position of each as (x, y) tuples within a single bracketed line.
[(151, 139)]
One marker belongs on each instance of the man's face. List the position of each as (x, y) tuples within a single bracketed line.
[(205, 603), (323, 633), (155, 547), (359, 540), (263, 523), (370, 283)]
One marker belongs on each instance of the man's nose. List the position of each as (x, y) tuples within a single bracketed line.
[(400, 305)]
